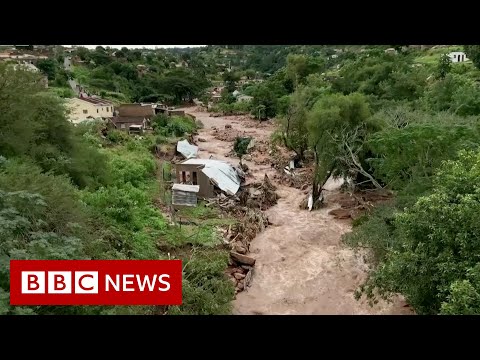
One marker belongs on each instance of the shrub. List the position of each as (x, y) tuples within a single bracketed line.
[(118, 136)]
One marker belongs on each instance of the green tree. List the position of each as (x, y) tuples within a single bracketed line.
[(464, 296), (264, 103), (444, 66), (439, 95), (294, 123), (48, 67), (413, 144), (250, 74), (300, 66), (436, 245), (466, 100), (473, 53), (230, 79), (338, 126)]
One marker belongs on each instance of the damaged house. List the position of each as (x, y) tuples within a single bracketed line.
[(134, 118), (208, 174)]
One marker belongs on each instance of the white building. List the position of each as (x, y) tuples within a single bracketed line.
[(87, 108), (457, 56), (244, 98)]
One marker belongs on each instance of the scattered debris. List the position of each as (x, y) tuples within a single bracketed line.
[(310, 202), (242, 259), (354, 205), (201, 140), (187, 150), (260, 195)]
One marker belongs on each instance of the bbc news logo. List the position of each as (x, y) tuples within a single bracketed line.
[(95, 282)]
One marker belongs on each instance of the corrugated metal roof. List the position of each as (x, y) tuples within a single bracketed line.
[(187, 188), (220, 172), (184, 198), (186, 149)]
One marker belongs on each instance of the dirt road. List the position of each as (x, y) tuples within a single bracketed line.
[(301, 265)]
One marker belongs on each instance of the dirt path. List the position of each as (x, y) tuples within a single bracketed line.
[(301, 265)]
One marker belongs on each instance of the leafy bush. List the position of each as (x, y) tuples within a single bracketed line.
[(241, 145), (175, 126), (206, 289), (118, 136), (435, 265)]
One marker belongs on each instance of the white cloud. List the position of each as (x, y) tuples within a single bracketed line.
[(140, 46)]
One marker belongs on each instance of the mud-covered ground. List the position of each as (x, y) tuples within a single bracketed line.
[(301, 265)]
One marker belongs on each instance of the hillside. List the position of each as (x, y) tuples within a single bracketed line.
[(381, 202)]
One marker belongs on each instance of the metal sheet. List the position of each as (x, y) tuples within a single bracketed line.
[(186, 149), (187, 188)]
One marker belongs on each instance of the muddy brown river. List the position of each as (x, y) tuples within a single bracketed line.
[(301, 265)]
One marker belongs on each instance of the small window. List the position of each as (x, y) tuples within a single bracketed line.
[(85, 111), (108, 109), (97, 111), (122, 126), (194, 178)]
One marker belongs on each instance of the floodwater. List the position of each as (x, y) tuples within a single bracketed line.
[(301, 267)]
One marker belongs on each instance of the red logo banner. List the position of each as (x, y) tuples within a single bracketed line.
[(95, 282)]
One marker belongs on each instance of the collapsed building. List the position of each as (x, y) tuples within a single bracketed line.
[(210, 175)]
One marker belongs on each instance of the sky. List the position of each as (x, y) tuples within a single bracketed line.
[(140, 46)]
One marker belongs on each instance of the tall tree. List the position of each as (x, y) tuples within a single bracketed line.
[(337, 127), (434, 262), (473, 53), (48, 67), (444, 66)]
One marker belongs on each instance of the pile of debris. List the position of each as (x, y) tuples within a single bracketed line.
[(253, 123), (259, 195), (241, 276), (296, 178), (228, 133), (355, 205), (261, 154), (239, 236), (247, 206)]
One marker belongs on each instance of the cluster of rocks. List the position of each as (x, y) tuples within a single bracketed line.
[(241, 276)]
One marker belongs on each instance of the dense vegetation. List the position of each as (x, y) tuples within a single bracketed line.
[(68, 193), (402, 122)]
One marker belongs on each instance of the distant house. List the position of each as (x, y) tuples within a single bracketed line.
[(390, 51), (457, 56), (87, 108), (216, 98), (142, 69), (131, 124), (27, 58), (5, 55), (136, 110), (162, 109), (76, 60), (243, 98), (32, 68)]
